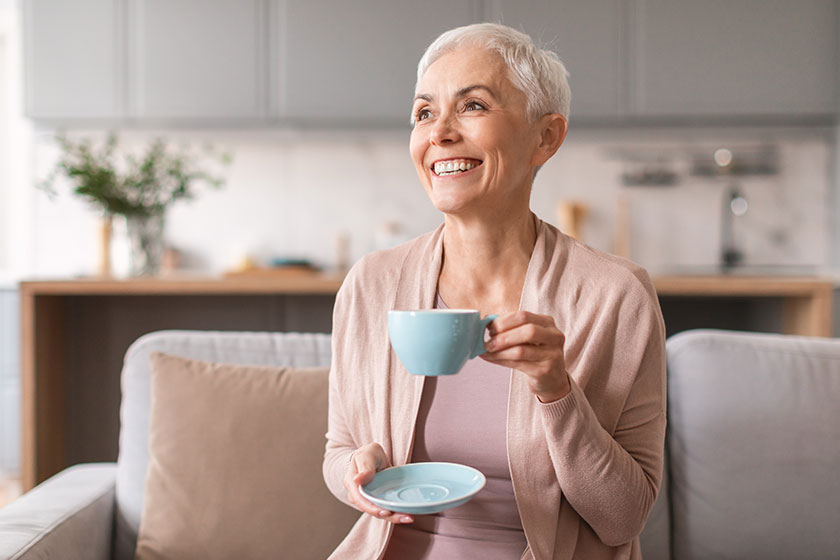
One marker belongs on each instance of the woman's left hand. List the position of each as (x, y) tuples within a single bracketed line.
[(532, 344)]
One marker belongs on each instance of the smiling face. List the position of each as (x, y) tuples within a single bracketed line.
[(473, 146)]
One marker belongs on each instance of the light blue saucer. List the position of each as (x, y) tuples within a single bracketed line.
[(423, 488)]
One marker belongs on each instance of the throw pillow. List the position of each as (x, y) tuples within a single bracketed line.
[(235, 464)]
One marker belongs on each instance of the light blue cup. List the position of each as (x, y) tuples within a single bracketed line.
[(437, 341)]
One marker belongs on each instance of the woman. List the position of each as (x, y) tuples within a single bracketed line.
[(565, 413)]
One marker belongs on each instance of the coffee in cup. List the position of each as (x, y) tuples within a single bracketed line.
[(437, 341)]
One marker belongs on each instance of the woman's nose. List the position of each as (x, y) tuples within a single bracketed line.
[(445, 130)]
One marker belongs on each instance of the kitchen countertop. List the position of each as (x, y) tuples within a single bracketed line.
[(286, 284), (742, 285), (741, 282)]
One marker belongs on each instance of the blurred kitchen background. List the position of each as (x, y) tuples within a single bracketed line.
[(693, 122)]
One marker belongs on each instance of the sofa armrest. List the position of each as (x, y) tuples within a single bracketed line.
[(69, 516)]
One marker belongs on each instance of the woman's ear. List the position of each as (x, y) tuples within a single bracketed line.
[(553, 128)]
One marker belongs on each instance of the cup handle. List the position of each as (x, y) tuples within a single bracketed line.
[(479, 344)]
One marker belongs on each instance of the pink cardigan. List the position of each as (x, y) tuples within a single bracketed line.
[(586, 469)]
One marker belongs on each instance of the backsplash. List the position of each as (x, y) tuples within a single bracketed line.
[(294, 194)]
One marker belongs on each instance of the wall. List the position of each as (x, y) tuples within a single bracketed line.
[(16, 196), (14, 226), (294, 193), (9, 382)]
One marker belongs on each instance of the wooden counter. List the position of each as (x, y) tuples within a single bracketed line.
[(806, 302), (75, 334), (280, 284)]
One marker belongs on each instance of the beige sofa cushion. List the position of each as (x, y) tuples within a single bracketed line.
[(235, 464)]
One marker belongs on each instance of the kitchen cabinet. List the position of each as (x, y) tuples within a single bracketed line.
[(589, 39), (72, 59), (340, 64), (197, 60), (750, 57), (335, 63)]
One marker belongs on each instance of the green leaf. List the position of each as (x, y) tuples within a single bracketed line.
[(151, 183)]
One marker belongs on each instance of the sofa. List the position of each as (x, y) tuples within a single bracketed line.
[(752, 452)]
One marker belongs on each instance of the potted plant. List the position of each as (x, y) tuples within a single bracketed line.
[(139, 188)]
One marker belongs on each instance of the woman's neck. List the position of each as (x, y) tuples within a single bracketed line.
[(485, 261)]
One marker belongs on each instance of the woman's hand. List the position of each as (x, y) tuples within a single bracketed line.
[(532, 344), (365, 462)]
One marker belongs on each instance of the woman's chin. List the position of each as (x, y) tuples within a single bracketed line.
[(453, 206), (450, 199)]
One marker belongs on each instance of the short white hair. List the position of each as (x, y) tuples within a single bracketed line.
[(538, 73)]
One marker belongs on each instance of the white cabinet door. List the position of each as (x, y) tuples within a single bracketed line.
[(72, 59), (198, 59), (356, 63), (588, 37), (745, 57)]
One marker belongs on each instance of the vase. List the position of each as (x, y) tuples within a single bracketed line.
[(106, 232), (145, 235)]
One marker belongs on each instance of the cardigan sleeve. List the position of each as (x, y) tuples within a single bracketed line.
[(612, 479), (340, 442)]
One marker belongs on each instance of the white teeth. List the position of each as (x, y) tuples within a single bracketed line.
[(451, 167)]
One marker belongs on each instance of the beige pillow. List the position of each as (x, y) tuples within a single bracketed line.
[(235, 464)]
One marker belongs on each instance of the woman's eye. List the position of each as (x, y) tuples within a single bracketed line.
[(422, 114), (474, 106)]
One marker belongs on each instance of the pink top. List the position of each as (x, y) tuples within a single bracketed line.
[(462, 420)]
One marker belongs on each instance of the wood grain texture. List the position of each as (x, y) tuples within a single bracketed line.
[(741, 286), (42, 365), (291, 284), (27, 366)]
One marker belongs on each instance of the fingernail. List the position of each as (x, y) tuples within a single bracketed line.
[(383, 513), (406, 519)]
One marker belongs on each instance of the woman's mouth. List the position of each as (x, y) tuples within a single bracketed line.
[(448, 167)]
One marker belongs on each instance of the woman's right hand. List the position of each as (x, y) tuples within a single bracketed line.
[(365, 462)]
